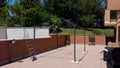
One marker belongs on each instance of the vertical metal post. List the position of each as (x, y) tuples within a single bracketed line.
[(11, 42), (10, 49), (84, 41), (34, 32), (74, 43), (117, 33), (74, 61), (56, 37)]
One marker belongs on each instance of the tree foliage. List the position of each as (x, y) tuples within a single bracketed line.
[(85, 13), (2, 6), (28, 13), (27, 4)]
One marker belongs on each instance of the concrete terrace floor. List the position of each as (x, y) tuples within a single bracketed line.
[(62, 58)]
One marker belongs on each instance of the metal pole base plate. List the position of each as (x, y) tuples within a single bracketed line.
[(33, 58), (76, 62)]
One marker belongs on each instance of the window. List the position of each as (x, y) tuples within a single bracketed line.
[(113, 16)]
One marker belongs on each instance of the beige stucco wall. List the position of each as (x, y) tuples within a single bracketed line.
[(107, 15), (118, 16), (113, 4), (107, 21)]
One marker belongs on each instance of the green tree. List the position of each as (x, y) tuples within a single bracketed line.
[(27, 4), (81, 12), (32, 14), (2, 6), (29, 13), (9, 17)]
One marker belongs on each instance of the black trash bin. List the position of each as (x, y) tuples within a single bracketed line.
[(113, 58), (106, 53)]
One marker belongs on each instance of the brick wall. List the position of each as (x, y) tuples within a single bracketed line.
[(99, 39), (41, 44), (20, 50)]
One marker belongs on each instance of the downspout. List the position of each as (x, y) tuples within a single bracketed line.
[(117, 35)]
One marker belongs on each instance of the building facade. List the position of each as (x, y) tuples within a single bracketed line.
[(112, 17)]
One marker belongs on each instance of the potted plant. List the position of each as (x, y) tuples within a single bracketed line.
[(67, 42)]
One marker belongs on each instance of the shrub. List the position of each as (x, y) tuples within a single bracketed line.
[(67, 42), (98, 32)]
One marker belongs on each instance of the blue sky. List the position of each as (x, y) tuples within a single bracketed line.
[(11, 2)]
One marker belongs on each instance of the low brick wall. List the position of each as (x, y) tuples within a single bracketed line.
[(41, 44), (99, 39), (20, 50), (4, 51)]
